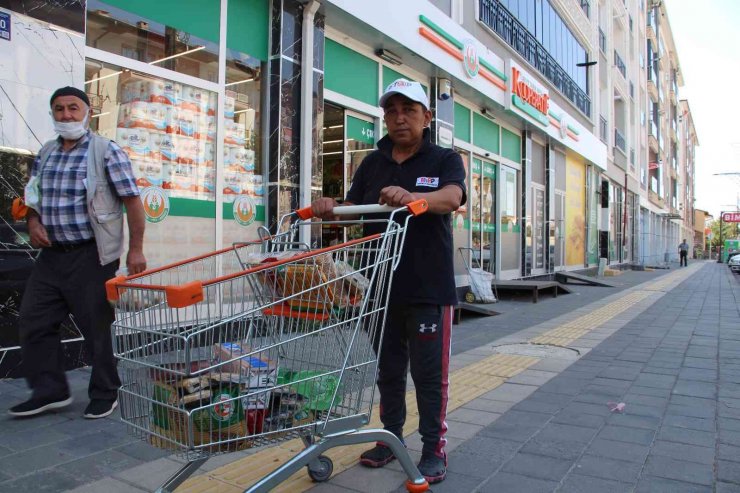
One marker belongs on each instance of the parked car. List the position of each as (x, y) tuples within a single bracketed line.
[(734, 264)]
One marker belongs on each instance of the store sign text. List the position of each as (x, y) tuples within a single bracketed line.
[(525, 90), (731, 217)]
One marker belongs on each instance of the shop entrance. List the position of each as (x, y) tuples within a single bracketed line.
[(557, 232), (348, 137), (483, 213)]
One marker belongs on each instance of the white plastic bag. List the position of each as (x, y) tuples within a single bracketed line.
[(480, 284)]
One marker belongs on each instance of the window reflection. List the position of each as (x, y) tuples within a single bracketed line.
[(128, 34)]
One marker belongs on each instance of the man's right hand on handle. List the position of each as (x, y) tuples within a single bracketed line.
[(322, 208), (38, 234)]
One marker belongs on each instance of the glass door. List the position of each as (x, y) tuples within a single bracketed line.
[(510, 221), (538, 230), (557, 233), (348, 137), (483, 213)]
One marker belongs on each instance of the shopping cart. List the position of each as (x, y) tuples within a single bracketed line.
[(481, 281), (261, 343)]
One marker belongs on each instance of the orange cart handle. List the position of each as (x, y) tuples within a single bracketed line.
[(415, 208)]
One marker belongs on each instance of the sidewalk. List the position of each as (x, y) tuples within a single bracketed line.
[(640, 343)]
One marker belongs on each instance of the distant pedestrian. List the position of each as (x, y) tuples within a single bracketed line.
[(77, 188), (683, 252)]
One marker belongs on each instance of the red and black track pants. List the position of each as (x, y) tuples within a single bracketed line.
[(418, 334)]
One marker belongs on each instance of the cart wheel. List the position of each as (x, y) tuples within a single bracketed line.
[(417, 488), (469, 297), (324, 473)]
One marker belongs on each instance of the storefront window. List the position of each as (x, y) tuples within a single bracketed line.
[(510, 220), (140, 38), (168, 130), (461, 222), (243, 192)]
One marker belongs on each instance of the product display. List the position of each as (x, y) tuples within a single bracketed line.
[(169, 129)]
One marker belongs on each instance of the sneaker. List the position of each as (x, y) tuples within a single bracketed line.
[(99, 408), (35, 405), (377, 456), (433, 467)]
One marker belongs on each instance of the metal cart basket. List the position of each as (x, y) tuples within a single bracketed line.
[(258, 344)]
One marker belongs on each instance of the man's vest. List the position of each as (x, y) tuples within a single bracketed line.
[(104, 207)]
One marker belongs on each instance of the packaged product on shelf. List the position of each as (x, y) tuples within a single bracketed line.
[(186, 122), (238, 157), (229, 103), (249, 159), (240, 134), (171, 93), (203, 122), (232, 182), (131, 91), (178, 178), (258, 187), (153, 91), (230, 132), (163, 147), (194, 99), (229, 163), (172, 119), (133, 114), (156, 117), (135, 141), (212, 104), (148, 173), (205, 183), (209, 154), (186, 149)]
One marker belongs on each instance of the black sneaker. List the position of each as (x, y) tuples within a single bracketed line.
[(99, 408), (377, 456), (35, 405), (433, 467)]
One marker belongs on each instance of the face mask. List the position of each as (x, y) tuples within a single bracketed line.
[(71, 130)]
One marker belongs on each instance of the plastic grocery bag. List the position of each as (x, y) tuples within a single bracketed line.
[(480, 284)]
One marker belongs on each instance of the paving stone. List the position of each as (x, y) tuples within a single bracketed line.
[(150, 475), (701, 374), (691, 453), (687, 436), (34, 437), (695, 388), (728, 471), (142, 451), (537, 406), (655, 381), (478, 466), (625, 434), (690, 472), (526, 418), (700, 424), (652, 484), (633, 420), (33, 460), (630, 452), (538, 466), (560, 449), (98, 466), (512, 392), (41, 481), (562, 432), (466, 415), (579, 419), (495, 448), (454, 483), (504, 481), (602, 467), (728, 452), (576, 483)]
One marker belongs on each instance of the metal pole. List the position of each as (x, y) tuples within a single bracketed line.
[(719, 256)]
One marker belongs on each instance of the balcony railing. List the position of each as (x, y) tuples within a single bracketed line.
[(619, 63), (602, 129), (619, 140), (503, 23), (602, 41)]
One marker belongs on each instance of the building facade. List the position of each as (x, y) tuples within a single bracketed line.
[(236, 112)]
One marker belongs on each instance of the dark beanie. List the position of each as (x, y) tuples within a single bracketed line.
[(69, 91)]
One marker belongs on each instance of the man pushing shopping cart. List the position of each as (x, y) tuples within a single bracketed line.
[(406, 167)]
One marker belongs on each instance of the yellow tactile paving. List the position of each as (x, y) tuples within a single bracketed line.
[(466, 384)]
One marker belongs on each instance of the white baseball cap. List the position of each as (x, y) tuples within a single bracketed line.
[(412, 90)]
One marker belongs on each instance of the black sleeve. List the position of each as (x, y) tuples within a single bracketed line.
[(452, 172)]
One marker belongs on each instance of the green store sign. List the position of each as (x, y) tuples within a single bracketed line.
[(360, 130)]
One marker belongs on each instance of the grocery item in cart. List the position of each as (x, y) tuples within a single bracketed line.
[(240, 363)]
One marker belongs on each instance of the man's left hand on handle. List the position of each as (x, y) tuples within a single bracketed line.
[(396, 196)]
